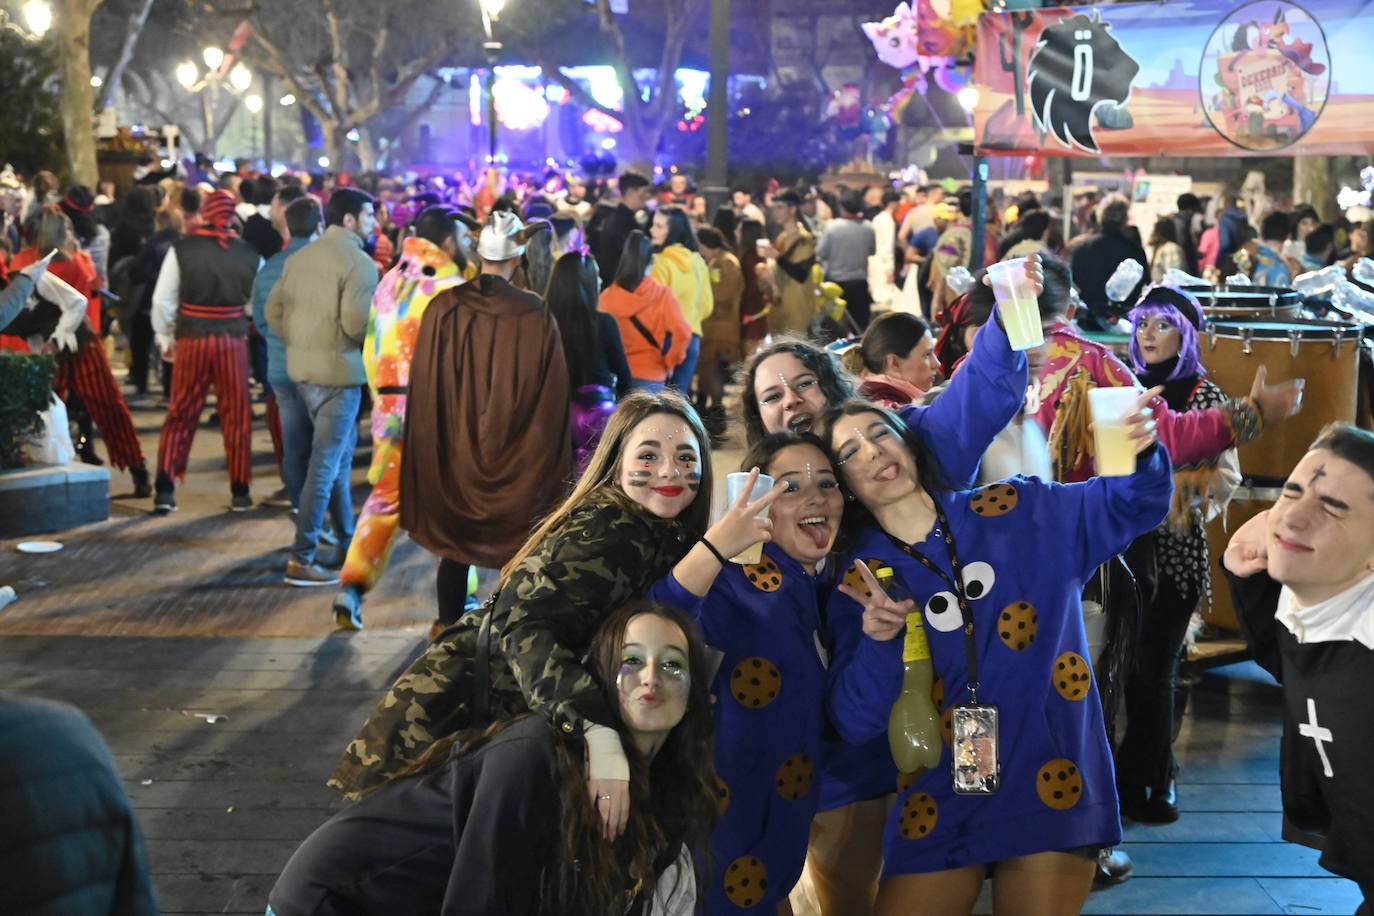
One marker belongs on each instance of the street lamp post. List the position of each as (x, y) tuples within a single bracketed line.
[(239, 79), (718, 108), (254, 105), (491, 12)]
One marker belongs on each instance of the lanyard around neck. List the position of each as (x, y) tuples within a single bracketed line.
[(955, 584)]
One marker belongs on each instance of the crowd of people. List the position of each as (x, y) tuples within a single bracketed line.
[(545, 371)]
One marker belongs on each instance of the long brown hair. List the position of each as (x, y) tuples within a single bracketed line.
[(589, 875), (602, 477), (672, 797)]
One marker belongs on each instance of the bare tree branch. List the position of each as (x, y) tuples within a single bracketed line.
[(276, 64), (133, 27), (583, 97), (427, 102), (338, 86)]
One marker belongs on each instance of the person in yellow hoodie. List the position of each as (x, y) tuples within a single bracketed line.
[(680, 267), (655, 334)]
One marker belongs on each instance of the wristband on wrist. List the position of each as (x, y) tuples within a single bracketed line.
[(1246, 418), (714, 552)]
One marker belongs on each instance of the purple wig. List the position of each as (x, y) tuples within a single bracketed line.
[(1182, 310)]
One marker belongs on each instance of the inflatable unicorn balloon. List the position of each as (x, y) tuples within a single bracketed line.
[(930, 37)]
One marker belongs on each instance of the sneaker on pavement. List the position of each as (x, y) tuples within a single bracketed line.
[(240, 502), (278, 500), (164, 502), (306, 575), (348, 609)]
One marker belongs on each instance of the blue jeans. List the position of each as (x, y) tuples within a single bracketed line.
[(296, 431), (333, 418), (640, 384), (681, 379)]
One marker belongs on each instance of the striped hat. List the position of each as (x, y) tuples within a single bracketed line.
[(218, 209)]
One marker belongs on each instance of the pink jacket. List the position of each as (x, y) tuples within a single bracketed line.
[(1190, 436)]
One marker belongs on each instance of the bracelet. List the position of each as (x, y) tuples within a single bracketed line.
[(1246, 418), (714, 552)]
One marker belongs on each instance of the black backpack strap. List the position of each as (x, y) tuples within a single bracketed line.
[(639, 326)]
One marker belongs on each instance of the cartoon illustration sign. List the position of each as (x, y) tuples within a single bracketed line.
[(1265, 75), (1186, 78)]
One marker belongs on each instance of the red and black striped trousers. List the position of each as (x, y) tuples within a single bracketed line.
[(220, 360), (86, 373)]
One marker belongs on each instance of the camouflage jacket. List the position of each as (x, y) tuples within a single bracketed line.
[(542, 626)]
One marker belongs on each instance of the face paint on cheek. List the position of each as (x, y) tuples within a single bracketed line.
[(639, 478), (694, 481)]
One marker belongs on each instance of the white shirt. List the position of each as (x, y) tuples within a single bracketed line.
[(167, 299), (882, 264), (1346, 617)]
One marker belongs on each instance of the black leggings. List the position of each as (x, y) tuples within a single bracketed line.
[(140, 350), (1145, 758), (451, 589)]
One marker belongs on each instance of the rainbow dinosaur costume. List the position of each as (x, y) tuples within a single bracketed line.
[(399, 303)]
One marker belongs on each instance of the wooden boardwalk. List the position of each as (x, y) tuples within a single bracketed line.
[(223, 803)]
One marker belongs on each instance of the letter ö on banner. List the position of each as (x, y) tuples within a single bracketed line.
[(1082, 86)]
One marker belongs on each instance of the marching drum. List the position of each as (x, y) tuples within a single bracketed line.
[(1325, 353), (1246, 503), (1227, 302)]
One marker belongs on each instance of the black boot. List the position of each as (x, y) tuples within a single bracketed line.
[(1163, 805), (143, 487), (164, 501)]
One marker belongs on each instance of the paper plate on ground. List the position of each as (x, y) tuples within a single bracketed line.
[(38, 546)]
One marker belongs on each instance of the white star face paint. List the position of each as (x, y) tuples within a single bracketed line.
[(806, 515), (877, 465), (661, 466)]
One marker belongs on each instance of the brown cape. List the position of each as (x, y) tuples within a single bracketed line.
[(488, 448)]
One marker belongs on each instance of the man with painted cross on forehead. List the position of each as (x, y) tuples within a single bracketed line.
[(1302, 575)]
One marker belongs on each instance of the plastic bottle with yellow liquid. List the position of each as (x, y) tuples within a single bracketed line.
[(913, 728)]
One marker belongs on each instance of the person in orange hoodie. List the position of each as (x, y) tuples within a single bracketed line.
[(652, 326)]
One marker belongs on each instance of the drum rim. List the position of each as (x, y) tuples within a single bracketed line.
[(1278, 329), (1285, 295)]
